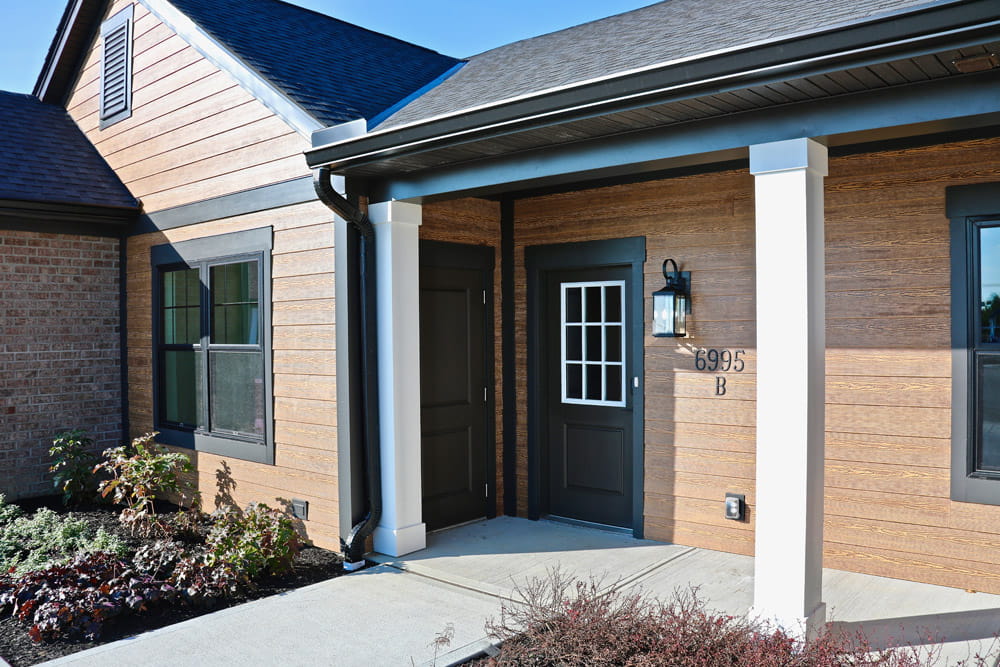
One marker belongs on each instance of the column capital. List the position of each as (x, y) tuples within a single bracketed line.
[(788, 155), (395, 211)]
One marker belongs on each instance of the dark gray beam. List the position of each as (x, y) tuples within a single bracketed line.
[(927, 30), (931, 107)]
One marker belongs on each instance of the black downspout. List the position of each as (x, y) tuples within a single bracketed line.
[(354, 545)]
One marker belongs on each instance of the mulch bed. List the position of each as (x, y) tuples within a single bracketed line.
[(312, 565)]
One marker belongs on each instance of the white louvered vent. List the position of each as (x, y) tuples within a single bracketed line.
[(116, 67)]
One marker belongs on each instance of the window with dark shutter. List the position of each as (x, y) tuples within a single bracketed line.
[(116, 68)]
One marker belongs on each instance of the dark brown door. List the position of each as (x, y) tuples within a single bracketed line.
[(588, 397), (452, 395)]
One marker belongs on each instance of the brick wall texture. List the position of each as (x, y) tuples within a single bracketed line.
[(59, 350)]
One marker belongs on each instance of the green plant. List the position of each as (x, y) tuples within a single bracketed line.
[(255, 541), (46, 538), (73, 466), (8, 512), (141, 473)]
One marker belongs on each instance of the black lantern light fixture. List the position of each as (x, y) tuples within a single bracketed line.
[(672, 304)]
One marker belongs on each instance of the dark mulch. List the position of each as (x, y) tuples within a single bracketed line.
[(312, 565)]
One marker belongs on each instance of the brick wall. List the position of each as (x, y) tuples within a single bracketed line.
[(59, 350)]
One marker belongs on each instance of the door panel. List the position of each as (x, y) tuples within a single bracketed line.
[(453, 410), (588, 408)]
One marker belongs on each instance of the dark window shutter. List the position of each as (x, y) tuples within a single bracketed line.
[(116, 67)]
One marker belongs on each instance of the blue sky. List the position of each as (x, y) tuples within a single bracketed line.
[(454, 27)]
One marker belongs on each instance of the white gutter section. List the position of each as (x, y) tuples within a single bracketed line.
[(269, 95)]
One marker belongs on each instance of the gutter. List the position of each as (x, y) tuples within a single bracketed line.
[(354, 546), (935, 27)]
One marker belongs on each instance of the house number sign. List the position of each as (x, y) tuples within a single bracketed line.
[(712, 360)]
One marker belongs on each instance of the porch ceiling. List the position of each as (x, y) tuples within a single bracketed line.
[(677, 107), (846, 85)]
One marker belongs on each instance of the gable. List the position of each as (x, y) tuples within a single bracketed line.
[(194, 132)]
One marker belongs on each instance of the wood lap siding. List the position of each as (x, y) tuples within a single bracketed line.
[(888, 419), (888, 411), (194, 132), (476, 222), (304, 363)]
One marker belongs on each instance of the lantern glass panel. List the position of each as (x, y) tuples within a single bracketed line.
[(663, 313)]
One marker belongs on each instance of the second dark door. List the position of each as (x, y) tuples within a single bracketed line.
[(453, 394)]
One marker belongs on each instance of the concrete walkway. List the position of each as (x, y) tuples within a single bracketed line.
[(391, 614)]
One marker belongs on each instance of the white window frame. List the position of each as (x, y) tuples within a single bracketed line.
[(583, 324)]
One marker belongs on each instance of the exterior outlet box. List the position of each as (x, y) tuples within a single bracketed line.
[(736, 506), (300, 509)]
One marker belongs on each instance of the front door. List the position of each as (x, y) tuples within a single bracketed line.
[(453, 386), (588, 397)]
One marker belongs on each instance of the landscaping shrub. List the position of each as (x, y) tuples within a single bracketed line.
[(141, 473), (255, 541), (76, 599), (202, 583), (73, 466), (46, 538), (563, 622)]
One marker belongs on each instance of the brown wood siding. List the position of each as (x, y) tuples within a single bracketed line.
[(888, 393), (476, 222), (888, 414), (304, 365), (194, 132)]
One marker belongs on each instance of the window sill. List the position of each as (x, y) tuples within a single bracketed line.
[(245, 450)]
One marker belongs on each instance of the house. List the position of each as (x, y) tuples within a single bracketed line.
[(444, 310)]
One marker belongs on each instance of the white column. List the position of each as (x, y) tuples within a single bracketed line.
[(791, 348), (397, 272)]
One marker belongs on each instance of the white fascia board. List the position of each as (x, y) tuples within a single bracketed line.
[(269, 95)]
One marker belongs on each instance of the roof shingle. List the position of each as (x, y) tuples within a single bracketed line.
[(44, 157), (644, 37), (336, 71)]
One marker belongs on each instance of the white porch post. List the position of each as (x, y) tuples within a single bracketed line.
[(791, 347), (397, 271)]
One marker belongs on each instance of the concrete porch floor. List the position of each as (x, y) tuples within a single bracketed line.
[(390, 614), (494, 557)]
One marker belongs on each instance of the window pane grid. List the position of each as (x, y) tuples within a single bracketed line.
[(592, 343), (217, 386)]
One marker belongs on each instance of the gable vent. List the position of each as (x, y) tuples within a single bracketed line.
[(116, 68)]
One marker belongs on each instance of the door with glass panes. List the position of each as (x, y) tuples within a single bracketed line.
[(588, 402)]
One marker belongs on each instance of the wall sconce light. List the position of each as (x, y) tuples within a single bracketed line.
[(672, 303)]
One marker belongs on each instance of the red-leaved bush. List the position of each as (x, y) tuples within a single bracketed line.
[(559, 621), (75, 600)]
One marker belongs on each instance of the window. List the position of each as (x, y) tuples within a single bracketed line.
[(116, 68), (593, 343), (211, 322), (975, 256)]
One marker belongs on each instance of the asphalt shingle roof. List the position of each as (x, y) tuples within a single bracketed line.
[(655, 34), (334, 70), (46, 158)]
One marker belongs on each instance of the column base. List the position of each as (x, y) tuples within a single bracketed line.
[(801, 627), (400, 541)]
